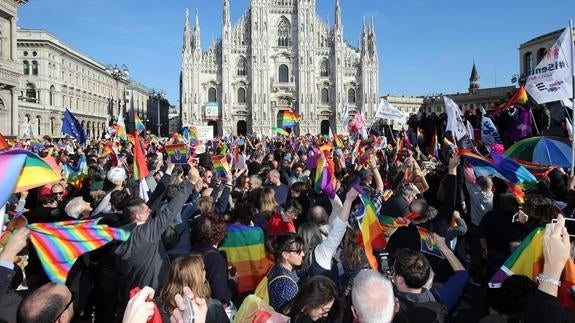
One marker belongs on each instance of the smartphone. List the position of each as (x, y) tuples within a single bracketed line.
[(382, 257), (188, 314), (569, 225)]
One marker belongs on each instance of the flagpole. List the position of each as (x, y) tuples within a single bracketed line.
[(572, 96)]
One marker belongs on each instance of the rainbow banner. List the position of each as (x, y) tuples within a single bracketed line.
[(428, 244), (139, 124), (245, 250), (371, 230), (140, 165), (121, 128), (281, 131), (527, 260), (178, 153), (290, 119), (221, 166), (59, 244)]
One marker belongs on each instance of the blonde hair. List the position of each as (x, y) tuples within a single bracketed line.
[(267, 200), (185, 271)]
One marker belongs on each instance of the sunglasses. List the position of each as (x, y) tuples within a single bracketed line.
[(58, 193)]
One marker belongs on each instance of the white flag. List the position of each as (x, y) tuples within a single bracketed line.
[(28, 131), (489, 133), (551, 80), (386, 111), (454, 120)]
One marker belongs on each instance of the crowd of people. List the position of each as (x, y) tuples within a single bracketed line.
[(201, 239)]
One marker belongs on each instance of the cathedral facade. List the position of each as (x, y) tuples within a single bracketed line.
[(279, 56)]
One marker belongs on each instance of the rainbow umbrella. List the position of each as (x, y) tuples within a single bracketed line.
[(542, 150)]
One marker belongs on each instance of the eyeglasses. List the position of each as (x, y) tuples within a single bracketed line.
[(58, 193), (67, 305)]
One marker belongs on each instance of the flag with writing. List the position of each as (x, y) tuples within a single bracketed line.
[(454, 119), (489, 133)]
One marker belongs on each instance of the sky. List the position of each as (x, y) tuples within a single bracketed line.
[(425, 46)]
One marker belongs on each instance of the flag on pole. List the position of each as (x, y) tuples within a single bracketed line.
[(290, 119), (552, 78), (454, 119), (489, 133), (519, 97), (28, 131), (387, 111), (72, 127), (139, 124), (121, 128), (371, 230), (140, 166)]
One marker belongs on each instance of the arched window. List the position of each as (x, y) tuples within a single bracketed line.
[(283, 74), (52, 90), (52, 126), (88, 125), (541, 53), (527, 63), (324, 96), (38, 126), (26, 68), (324, 68), (241, 95), (242, 67), (34, 68), (30, 92), (351, 96), (284, 32), (212, 95)]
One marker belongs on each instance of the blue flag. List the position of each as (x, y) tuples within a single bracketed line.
[(72, 127)]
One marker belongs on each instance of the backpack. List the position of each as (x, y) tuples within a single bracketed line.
[(432, 312), (261, 290)]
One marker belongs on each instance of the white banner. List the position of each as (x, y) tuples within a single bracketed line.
[(551, 79), (205, 132), (386, 111), (454, 120), (489, 133), (211, 110)]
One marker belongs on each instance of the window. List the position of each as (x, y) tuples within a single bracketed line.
[(351, 96), (38, 125), (284, 32), (242, 67), (52, 125), (212, 95), (52, 95), (30, 92), (34, 68), (527, 63), (324, 68), (324, 96), (283, 74), (26, 68), (540, 54), (241, 95)]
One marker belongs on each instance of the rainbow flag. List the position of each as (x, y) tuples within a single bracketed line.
[(193, 136), (519, 97), (527, 259), (59, 244), (3, 143), (75, 175), (337, 141), (245, 249), (111, 151), (140, 127), (428, 244), (178, 153), (121, 128), (371, 230), (290, 119), (281, 131), (140, 165), (221, 166)]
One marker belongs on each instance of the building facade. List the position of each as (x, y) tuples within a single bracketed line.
[(409, 105), (533, 51), (280, 55), (10, 67)]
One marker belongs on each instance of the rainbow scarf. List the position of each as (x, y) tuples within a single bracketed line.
[(245, 249), (371, 231), (139, 124), (290, 119), (221, 166), (21, 170), (59, 244), (428, 244), (527, 260)]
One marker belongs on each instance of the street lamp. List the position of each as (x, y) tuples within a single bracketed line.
[(158, 96), (118, 73)]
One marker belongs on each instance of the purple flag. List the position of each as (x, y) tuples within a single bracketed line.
[(518, 125)]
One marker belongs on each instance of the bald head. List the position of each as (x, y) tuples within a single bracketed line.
[(49, 303)]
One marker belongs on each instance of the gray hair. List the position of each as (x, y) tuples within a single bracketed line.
[(75, 207), (372, 297), (256, 179), (407, 189), (116, 174)]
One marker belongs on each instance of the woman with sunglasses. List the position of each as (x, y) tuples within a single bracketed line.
[(283, 280)]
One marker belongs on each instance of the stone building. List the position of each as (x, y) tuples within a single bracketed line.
[(280, 55)]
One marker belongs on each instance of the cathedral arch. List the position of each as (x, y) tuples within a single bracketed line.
[(242, 64), (324, 127), (351, 96), (284, 32), (324, 68), (283, 74), (242, 127), (212, 95)]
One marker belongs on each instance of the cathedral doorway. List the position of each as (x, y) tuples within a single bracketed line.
[(324, 127), (242, 128), (214, 125)]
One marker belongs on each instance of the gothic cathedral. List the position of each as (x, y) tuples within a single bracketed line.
[(280, 55)]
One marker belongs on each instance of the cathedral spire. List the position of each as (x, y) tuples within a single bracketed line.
[(226, 15), (187, 34), (196, 33), (337, 14)]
